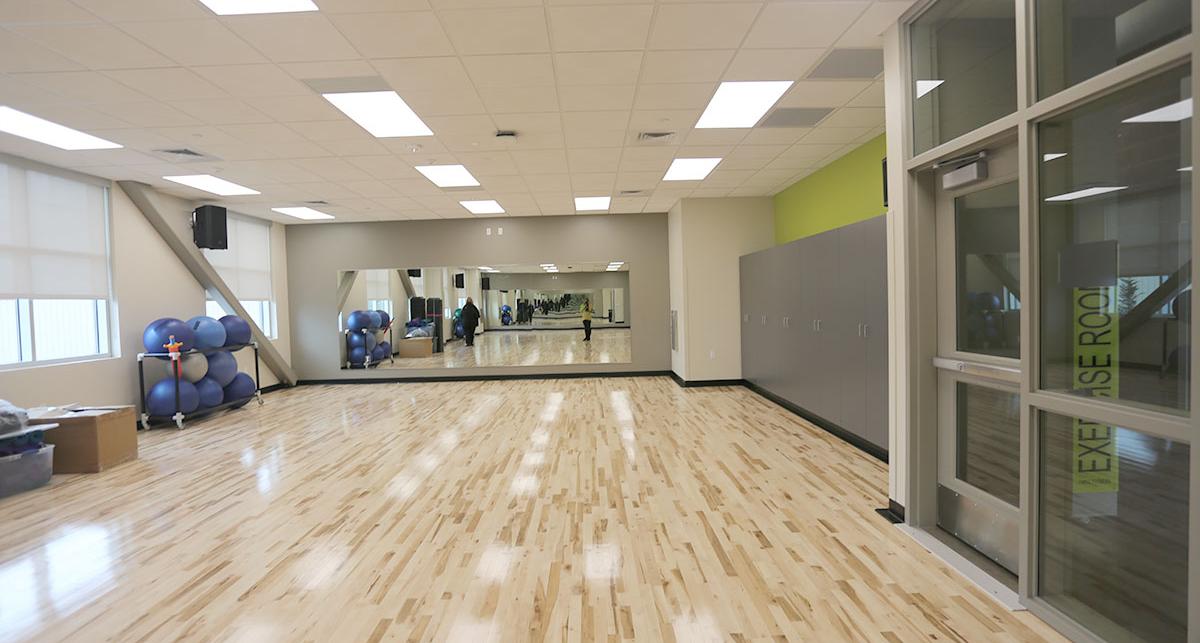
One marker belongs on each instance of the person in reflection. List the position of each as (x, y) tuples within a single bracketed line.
[(470, 320), (585, 311)]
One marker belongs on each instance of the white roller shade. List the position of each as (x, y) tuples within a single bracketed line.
[(246, 265), (53, 236), (377, 284)]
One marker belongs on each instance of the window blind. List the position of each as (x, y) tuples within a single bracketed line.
[(245, 265), (377, 284)]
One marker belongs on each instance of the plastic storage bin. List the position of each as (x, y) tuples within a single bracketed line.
[(26, 471)]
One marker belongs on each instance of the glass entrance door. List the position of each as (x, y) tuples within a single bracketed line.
[(979, 347)]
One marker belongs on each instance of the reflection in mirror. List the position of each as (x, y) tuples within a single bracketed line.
[(481, 316)]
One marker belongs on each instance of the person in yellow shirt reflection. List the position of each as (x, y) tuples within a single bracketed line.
[(585, 311)]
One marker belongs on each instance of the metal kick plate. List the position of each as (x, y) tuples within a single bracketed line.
[(994, 534)]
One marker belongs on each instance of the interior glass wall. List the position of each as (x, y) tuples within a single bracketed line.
[(988, 262), (989, 440)]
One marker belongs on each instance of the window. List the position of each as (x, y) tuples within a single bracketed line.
[(378, 290), (988, 261), (54, 267), (246, 268)]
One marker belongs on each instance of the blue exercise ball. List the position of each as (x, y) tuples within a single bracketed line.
[(241, 388), (378, 353), (357, 355), (375, 318), (160, 401), (369, 341), (385, 319), (192, 367), (159, 332), (222, 367), (209, 332), (387, 348), (237, 330), (358, 321), (211, 393)]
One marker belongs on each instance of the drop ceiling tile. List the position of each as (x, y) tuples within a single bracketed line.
[(96, 46), (574, 98), (256, 151), (264, 133), (628, 205), (84, 87), (704, 151), (168, 84), (384, 168), (294, 37), (424, 74), (533, 162), (676, 96), (21, 54), (295, 109), (775, 135), (708, 192), (513, 70), (479, 126), (727, 178), (596, 120), (497, 163), (815, 24), (372, 6), (872, 96), (638, 180), (540, 183), (772, 64), (593, 160), (353, 148), (194, 42), (600, 28), (694, 66), (646, 159), (135, 137), (854, 117), (551, 204), (771, 177), (579, 138), (593, 183), (835, 135), (277, 171), (811, 153), (790, 164), (333, 169), (527, 124), (220, 111), (499, 184), (444, 103), (663, 120), (118, 157), (715, 136), (412, 187), (329, 69), (703, 26), (510, 100), (868, 29), (42, 11), (131, 10), (81, 117), (147, 114), (247, 81), (497, 31), (822, 93), (370, 189), (460, 143), (394, 35), (751, 191), (598, 68)]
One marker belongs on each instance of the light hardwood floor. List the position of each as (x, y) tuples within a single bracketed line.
[(528, 348), (543, 510)]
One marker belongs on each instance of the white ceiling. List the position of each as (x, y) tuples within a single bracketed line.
[(577, 79)]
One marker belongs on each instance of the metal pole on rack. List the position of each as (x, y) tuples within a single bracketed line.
[(257, 381), (176, 362), (142, 388)]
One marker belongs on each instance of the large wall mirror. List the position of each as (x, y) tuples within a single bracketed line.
[(484, 316)]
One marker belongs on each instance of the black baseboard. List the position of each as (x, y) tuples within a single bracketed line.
[(481, 378), (697, 383), (521, 328), (272, 388), (854, 439), (894, 512)]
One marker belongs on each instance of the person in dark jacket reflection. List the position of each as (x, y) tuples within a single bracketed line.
[(470, 321)]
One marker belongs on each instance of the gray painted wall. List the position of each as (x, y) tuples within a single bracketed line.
[(317, 252)]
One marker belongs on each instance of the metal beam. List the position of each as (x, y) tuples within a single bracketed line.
[(344, 286), (144, 197), (1145, 309), (406, 281), (995, 265)]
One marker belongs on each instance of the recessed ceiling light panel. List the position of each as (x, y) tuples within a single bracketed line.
[(690, 169), (212, 185), (308, 214), (592, 203), (1046, 158), (1086, 192), (43, 131), (1172, 113), (383, 114), (482, 207), (448, 176), (245, 7), (741, 104), (926, 86)]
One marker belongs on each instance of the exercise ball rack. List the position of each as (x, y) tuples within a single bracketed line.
[(179, 417)]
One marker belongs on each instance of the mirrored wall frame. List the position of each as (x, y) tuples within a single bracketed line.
[(913, 195)]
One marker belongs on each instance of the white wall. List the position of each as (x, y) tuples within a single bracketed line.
[(897, 226), (706, 238)]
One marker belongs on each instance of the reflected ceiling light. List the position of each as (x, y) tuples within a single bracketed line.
[(690, 169), (546, 265), (212, 184), (482, 207), (1185, 169), (448, 176), (382, 114), (926, 86), (486, 268), (1087, 192), (244, 7), (43, 131), (740, 104), (308, 214), (1046, 158), (1172, 113), (588, 203)]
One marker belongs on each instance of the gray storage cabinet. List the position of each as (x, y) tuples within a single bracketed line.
[(814, 328)]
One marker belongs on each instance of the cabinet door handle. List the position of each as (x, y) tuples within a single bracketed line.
[(866, 329), (860, 330)]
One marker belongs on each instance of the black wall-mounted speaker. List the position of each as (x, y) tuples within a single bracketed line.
[(208, 227), (486, 283), (414, 272), (460, 280)]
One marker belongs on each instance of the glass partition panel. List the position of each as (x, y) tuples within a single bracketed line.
[(988, 450), (1113, 517), (988, 263), (964, 68), (1115, 236)]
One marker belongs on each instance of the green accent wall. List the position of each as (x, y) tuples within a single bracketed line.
[(849, 189)]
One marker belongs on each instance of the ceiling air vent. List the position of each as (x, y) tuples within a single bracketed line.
[(316, 203), (184, 155), (505, 133), (632, 192), (656, 137)]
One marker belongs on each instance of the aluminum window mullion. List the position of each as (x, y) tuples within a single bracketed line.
[(1102, 411), (977, 138)]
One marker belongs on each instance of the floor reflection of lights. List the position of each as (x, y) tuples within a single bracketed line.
[(533, 459), (694, 628), (403, 486), (319, 566), (473, 632), (495, 563), (540, 437), (601, 562), (553, 404), (524, 485)]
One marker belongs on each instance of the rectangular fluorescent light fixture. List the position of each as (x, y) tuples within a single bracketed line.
[(382, 114), (740, 104), (690, 169), (1087, 192), (1172, 113), (245, 7), (1046, 158), (587, 203), (212, 185), (43, 131), (482, 207), (308, 214), (448, 176), (926, 86), (546, 265)]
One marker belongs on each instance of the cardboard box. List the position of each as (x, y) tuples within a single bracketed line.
[(415, 347), (92, 440)]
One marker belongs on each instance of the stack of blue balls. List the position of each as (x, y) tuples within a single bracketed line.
[(208, 377), (364, 342)]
